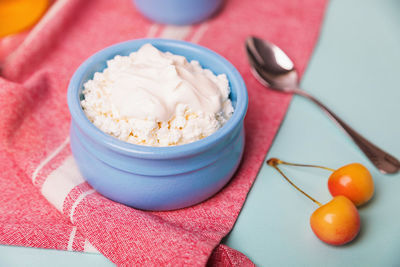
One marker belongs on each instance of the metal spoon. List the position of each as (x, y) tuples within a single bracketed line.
[(273, 68)]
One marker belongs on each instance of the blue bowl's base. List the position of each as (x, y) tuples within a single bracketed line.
[(158, 192)]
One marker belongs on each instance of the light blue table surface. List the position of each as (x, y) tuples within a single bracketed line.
[(355, 70)]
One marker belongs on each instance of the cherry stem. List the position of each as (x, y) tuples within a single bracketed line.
[(274, 162), (278, 161)]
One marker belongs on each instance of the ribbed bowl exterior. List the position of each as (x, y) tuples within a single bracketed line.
[(157, 178)]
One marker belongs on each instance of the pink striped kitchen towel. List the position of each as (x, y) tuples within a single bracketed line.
[(45, 202)]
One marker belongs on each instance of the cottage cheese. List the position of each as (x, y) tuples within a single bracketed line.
[(157, 99)]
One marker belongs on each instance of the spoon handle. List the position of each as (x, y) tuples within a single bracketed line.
[(385, 162)]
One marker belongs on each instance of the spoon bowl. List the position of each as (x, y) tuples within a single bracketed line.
[(271, 67)]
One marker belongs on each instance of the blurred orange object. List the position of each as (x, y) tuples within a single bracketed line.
[(19, 15)]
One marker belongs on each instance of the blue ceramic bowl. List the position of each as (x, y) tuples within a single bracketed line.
[(180, 12), (157, 178)]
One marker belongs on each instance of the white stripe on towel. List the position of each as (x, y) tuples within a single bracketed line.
[(199, 33), (77, 201), (89, 247), (152, 31), (61, 181), (71, 239), (176, 32), (49, 158)]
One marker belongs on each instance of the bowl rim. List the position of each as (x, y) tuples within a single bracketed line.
[(79, 117)]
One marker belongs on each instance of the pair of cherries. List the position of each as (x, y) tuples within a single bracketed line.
[(338, 222)]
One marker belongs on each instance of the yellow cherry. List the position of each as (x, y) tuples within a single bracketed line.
[(353, 181), (337, 222)]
